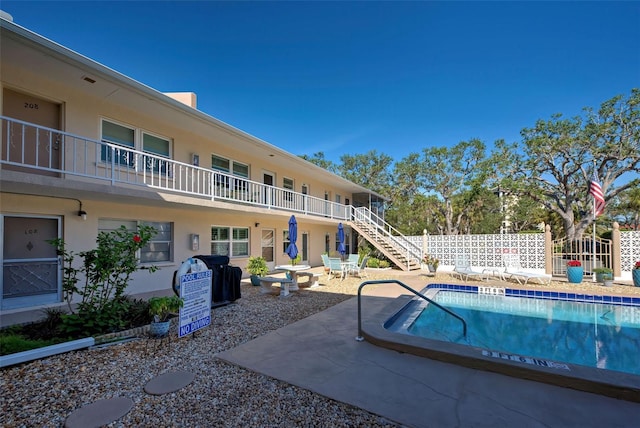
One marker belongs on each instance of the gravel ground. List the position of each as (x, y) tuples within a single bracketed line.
[(44, 392)]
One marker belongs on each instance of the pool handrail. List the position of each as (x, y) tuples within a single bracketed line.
[(360, 338)]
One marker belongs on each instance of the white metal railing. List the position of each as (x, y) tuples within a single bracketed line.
[(28, 146), (389, 234)]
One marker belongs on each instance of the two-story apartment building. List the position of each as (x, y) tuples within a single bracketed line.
[(86, 149)]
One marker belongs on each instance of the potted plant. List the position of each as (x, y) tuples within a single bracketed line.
[(161, 308), (603, 273), (574, 271), (431, 262), (257, 267), (635, 273)]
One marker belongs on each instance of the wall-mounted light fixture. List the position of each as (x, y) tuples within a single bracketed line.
[(257, 224), (195, 242), (82, 213)]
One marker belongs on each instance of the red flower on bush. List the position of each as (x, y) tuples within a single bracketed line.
[(574, 263), (136, 238)]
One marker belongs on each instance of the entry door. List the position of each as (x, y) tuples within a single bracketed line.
[(40, 148), (304, 248), (268, 179), (267, 243), (30, 269)]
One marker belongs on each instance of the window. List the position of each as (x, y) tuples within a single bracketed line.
[(285, 240), (156, 146), (241, 170), (219, 163), (159, 248), (230, 241), (120, 135), (228, 166), (287, 183), (131, 138)]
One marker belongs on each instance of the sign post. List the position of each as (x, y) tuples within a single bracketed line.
[(195, 289)]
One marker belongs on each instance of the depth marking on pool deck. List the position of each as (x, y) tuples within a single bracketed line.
[(491, 290), (522, 359)]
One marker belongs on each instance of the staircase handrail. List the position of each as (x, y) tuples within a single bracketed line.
[(365, 215)]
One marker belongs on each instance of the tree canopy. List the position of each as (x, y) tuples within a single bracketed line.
[(544, 177), (557, 158)]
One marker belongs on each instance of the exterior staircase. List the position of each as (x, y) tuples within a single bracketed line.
[(393, 244)]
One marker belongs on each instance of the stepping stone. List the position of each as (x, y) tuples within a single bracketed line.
[(168, 382), (100, 413)]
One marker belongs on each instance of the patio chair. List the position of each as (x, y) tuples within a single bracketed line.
[(360, 270), (336, 267), (513, 269), (325, 260), (464, 270)]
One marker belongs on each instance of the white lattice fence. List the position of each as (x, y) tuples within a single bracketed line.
[(485, 251), (629, 251)]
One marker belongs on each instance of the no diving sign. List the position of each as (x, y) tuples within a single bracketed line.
[(195, 289)]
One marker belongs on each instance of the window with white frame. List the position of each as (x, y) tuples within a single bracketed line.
[(287, 183), (230, 241), (232, 167), (285, 240), (159, 248), (121, 136), (134, 138), (157, 146)]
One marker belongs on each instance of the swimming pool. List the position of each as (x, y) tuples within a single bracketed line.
[(600, 370), (605, 336)]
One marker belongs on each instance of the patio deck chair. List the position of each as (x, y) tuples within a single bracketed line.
[(360, 270), (513, 269), (336, 268), (325, 260), (464, 270)]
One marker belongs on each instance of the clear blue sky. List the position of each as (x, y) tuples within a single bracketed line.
[(348, 77)]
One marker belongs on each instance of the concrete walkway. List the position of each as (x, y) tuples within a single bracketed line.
[(320, 354)]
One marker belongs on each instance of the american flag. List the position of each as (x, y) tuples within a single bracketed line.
[(595, 190)]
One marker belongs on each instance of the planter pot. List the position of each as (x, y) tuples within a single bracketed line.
[(255, 280), (574, 274), (635, 274), (159, 328), (604, 276), (431, 268)]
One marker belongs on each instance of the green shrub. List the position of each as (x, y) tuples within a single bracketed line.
[(373, 262), (383, 264), (106, 271)]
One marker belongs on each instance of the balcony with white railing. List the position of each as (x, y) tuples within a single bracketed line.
[(26, 147)]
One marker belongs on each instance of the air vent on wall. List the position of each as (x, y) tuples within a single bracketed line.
[(88, 79)]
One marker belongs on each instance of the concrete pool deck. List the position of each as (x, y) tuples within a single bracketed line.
[(320, 353)]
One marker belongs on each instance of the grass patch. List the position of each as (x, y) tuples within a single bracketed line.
[(13, 343)]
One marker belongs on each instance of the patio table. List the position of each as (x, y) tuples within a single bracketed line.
[(293, 272)]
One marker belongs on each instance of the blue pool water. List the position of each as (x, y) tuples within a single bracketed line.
[(605, 336)]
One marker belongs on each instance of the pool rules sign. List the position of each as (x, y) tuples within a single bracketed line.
[(195, 289)]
